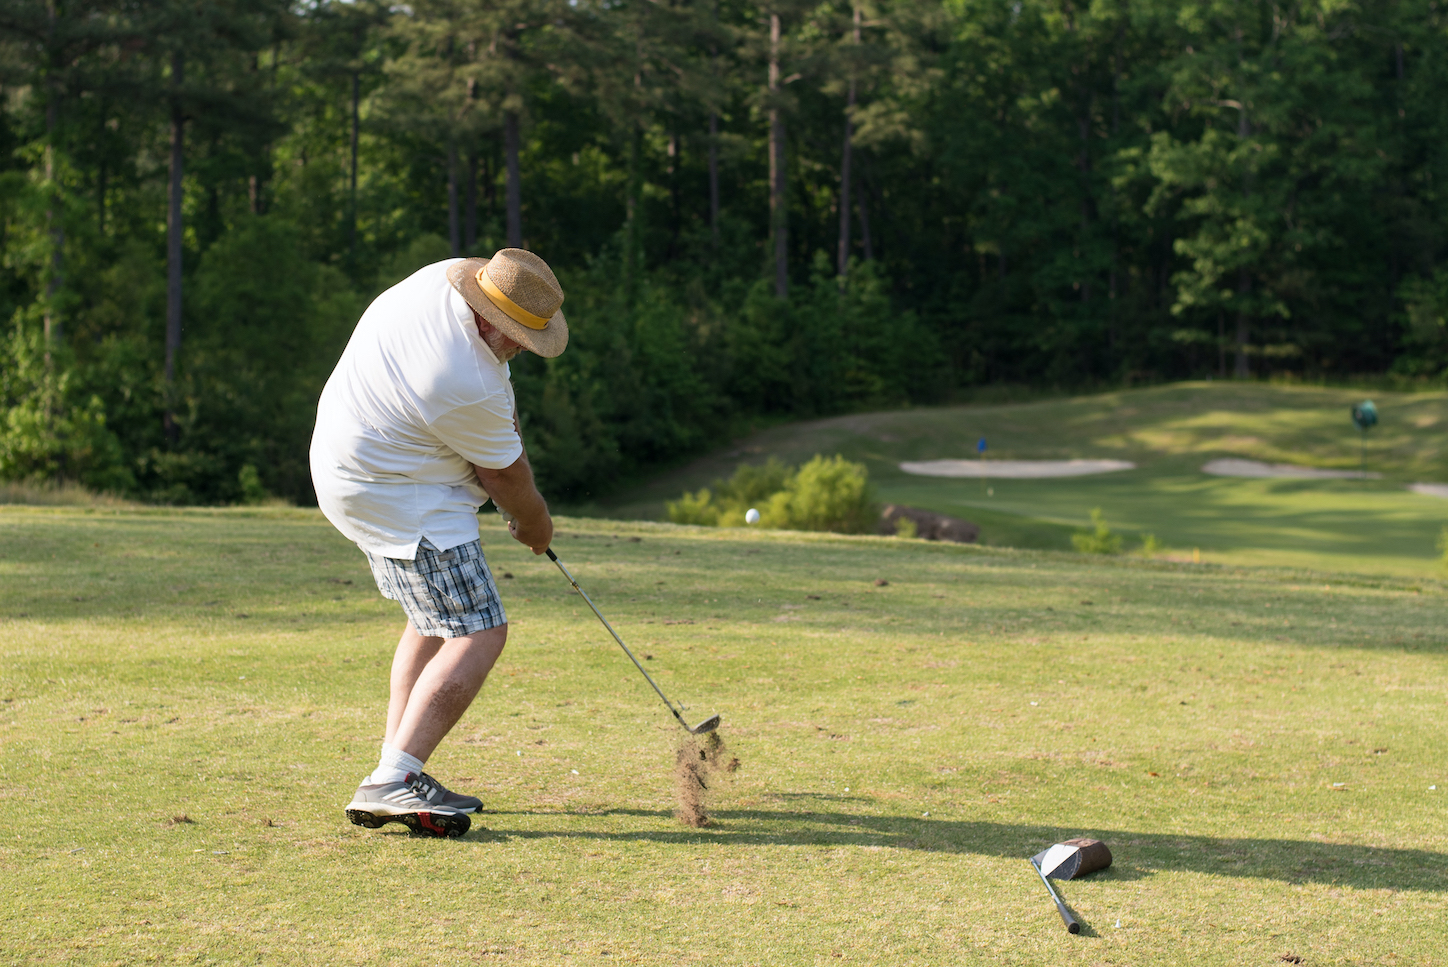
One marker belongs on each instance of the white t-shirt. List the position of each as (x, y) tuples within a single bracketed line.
[(415, 400)]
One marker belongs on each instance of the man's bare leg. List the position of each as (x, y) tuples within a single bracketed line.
[(433, 683), (414, 651)]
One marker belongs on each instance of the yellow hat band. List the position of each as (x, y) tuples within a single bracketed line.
[(515, 312)]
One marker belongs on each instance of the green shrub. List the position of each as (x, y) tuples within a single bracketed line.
[(1099, 540), (1150, 546), (754, 485), (826, 494), (50, 427), (252, 491), (725, 504), (750, 486), (905, 527), (696, 508)]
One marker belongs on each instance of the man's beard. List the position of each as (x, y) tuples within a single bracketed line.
[(496, 340)]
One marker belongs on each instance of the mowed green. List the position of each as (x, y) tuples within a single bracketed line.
[(1169, 432), (188, 698)]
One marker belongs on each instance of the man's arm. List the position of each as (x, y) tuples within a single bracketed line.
[(512, 489)]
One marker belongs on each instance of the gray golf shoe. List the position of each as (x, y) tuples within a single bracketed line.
[(408, 802), (436, 792)]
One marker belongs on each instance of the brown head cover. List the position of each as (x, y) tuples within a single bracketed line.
[(1094, 856), (518, 294)]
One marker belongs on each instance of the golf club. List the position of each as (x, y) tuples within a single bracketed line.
[(1072, 926), (708, 725)]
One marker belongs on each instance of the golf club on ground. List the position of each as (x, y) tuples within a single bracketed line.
[(708, 725), (1071, 925)]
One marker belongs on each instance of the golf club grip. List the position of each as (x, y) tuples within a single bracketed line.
[(1071, 925), (551, 556)]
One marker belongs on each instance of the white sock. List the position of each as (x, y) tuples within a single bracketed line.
[(394, 766)]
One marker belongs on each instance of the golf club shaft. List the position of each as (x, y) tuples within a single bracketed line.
[(554, 558), (1072, 926)]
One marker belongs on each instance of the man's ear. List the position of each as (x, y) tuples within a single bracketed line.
[(483, 326)]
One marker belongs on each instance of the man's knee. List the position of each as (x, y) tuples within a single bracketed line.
[(496, 635), (483, 646)]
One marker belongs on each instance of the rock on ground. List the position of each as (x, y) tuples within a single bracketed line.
[(929, 525)]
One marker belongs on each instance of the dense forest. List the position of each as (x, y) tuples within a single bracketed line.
[(757, 210)]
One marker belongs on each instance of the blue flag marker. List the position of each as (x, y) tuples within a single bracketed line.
[(980, 447)]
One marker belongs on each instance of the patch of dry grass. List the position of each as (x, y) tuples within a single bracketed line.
[(48, 493)]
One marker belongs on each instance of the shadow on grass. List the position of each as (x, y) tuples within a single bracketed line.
[(1136, 854)]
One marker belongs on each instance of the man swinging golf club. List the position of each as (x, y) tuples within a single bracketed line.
[(416, 429)]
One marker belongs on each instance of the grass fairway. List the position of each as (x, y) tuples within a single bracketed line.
[(1169, 432), (1256, 747)]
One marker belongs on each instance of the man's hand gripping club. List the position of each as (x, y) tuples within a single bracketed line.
[(513, 490)]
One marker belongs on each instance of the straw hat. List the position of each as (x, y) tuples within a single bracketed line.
[(518, 294)]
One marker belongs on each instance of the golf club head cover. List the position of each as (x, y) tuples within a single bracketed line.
[(1073, 858)]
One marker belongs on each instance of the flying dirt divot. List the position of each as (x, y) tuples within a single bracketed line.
[(695, 765)]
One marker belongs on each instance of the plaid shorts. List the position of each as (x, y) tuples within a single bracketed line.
[(445, 594)]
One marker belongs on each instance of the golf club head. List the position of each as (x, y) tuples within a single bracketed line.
[(708, 725)]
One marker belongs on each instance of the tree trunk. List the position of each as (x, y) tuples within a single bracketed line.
[(174, 231), (54, 212), (101, 176), (514, 189), (352, 175), (1395, 255), (778, 215), (1116, 82), (1084, 165), (55, 224), (842, 260), (714, 141), (1161, 270), (256, 184), (714, 177), (1221, 344), (631, 217), (490, 182), (674, 216), (210, 230), (843, 255), (454, 238), (1115, 274), (102, 172), (470, 207), (867, 248), (1240, 369), (1244, 285)]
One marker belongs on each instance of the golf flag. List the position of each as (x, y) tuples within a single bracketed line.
[(1364, 415)]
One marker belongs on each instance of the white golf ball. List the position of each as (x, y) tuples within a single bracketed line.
[(751, 516)]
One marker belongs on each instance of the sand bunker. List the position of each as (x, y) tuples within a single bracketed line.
[(1430, 490), (1017, 469), (1234, 467)]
